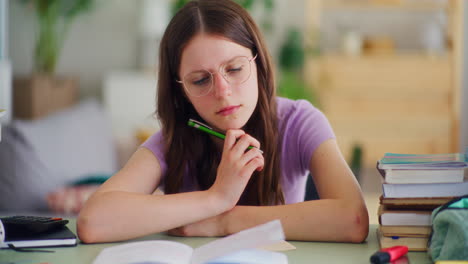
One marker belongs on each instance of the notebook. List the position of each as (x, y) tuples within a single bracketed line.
[(57, 238)]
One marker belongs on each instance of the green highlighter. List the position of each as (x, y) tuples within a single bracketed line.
[(203, 127)]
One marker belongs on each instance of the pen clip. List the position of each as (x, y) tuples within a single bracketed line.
[(199, 123)]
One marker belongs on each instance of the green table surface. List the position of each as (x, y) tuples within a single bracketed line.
[(305, 252)]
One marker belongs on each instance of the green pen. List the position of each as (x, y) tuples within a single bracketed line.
[(203, 127)]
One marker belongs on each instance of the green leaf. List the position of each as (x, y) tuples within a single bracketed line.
[(73, 8), (292, 86), (292, 52), (54, 18)]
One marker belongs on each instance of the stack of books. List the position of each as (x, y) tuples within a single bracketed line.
[(413, 186)]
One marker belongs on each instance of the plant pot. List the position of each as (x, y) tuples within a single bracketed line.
[(39, 95)]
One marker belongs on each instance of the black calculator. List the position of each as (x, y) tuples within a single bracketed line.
[(20, 224)]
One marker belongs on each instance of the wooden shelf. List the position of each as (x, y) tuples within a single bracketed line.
[(388, 5), (403, 101)]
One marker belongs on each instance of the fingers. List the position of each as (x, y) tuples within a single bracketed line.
[(231, 137), (238, 141), (251, 155), (244, 142), (236, 149), (255, 164), (237, 165)]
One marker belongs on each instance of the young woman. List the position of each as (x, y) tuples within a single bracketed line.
[(215, 68)]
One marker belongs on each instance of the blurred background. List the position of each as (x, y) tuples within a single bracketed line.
[(78, 83)]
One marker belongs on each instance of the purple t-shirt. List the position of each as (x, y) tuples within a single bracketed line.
[(302, 128)]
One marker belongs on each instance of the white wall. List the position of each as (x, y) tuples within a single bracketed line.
[(107, 39), (98, 42)]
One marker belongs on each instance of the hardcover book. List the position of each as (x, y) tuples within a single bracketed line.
[(59, 237), (424, 190), (449, 160), (413, 243), (402, 176), (406, 231), (424, 203), (404, 217)]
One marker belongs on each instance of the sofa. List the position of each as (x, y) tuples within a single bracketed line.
[(55, 163)]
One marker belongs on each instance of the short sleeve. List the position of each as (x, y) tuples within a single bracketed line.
[(312, 130), (307, 128), (155, 144)]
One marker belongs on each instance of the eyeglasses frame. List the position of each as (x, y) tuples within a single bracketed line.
[(213, 73)]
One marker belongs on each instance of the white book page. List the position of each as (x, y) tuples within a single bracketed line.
[(154, 252), (262, 235)]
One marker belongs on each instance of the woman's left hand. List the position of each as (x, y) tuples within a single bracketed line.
[(210, 227)]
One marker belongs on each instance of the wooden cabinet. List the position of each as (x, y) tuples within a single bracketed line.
[(403, 102)]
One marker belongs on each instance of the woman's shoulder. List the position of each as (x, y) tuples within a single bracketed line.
[(155, 144), (289, 107), (301, 118)]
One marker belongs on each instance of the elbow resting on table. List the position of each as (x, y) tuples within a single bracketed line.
[(86, 231), (359, 226)]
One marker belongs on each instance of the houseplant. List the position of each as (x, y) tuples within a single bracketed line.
[(43, 92), (291, 65), (54, 18)]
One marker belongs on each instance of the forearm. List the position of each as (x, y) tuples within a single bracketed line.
[(321, 220), (115, 215)]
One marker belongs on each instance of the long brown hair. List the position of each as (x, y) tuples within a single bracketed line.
[(188, 149)]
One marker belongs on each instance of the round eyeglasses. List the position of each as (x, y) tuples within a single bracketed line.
[(236, 71)]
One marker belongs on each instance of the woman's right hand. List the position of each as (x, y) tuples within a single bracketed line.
[(237, 166)]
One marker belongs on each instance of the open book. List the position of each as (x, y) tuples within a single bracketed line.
[(236, 248)]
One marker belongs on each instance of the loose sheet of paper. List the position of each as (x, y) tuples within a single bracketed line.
[(279, 246)]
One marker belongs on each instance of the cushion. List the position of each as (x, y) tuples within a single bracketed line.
[(41, 156)]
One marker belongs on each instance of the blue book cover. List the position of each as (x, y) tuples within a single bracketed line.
[(447, 158)]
